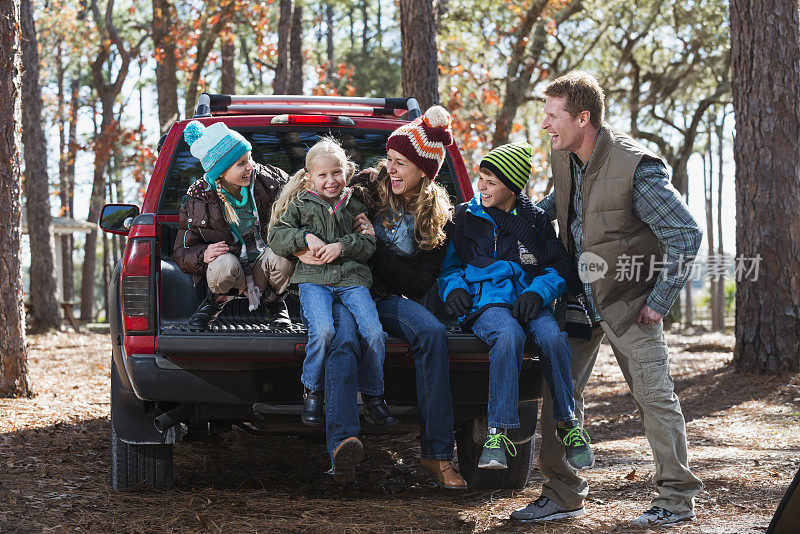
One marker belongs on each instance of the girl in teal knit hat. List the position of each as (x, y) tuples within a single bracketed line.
[(223, 226)]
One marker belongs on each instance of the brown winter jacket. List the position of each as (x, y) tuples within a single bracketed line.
[(202, 221)]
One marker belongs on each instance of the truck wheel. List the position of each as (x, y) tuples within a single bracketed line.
[(144, 465), (470, 438)]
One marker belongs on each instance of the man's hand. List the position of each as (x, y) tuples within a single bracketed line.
[(330, 252), (648, 316), (314, 243), (527, 307), (215, 250), (458, 302)]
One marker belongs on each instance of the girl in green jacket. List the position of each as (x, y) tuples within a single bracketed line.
[(316, 211)]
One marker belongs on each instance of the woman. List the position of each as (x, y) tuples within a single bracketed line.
[(409, 215)]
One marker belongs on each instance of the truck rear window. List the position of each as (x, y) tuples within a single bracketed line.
[(286, 149)]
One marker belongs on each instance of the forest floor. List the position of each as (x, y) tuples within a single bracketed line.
[(743, 430)]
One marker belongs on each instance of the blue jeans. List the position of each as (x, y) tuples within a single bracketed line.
[(341, 372), (427, 337), (317, 301), (506, 339)]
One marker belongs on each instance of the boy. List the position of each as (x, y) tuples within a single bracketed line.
[(503, 268)]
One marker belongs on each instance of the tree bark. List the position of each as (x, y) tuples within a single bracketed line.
[(205, 43), (284, 31), (765, 49), (68, 188), (719, 130), (420, 69), (228, 58), (708, 193), (295, 84), (329, 41), (43, 284), (166, 63), (13, 362), (364, 26), (107, 92), (530, 42)]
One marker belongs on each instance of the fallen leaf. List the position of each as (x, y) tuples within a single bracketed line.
[(631, 475)]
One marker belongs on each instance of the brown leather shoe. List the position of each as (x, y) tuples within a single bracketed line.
[(444, 473)]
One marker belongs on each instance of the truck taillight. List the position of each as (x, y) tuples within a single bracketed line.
[(136, 286)]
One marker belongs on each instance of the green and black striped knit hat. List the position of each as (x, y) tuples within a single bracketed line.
[(511, 163)]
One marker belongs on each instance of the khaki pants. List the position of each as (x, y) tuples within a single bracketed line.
[(643, 358), (226, 273)]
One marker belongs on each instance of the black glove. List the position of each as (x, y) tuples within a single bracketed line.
[(526, 307), (458, 302)]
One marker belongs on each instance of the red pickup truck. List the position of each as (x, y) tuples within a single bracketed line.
[(169, 383)]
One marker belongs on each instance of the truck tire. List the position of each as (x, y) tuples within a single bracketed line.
[(470, 438), (140, 465)]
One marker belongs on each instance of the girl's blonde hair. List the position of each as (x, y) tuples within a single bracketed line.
[(432, 208), (325, 147), (227, 209)]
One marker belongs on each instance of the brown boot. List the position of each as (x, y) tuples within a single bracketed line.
[(444, 473)]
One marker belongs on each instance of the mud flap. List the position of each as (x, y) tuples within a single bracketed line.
[(132, 423)]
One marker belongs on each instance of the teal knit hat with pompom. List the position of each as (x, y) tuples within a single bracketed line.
[(217, 147)]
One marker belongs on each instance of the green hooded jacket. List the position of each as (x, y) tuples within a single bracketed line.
[(310, 214)]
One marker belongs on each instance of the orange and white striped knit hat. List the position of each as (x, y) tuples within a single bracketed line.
[(424, 140)]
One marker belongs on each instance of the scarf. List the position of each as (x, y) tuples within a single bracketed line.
[(531, 226)]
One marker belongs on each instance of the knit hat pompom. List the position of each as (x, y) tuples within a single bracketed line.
[(217, 147), (423, 141), (437, 117), (193, 131)]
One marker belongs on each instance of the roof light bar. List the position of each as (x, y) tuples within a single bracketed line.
[(299, 104)]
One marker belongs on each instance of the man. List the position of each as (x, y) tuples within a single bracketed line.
[(616, 209)]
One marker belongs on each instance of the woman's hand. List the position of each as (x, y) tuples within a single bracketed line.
[(330, 252), (370, 172), (215, 250), (363, 225), (308, 257)]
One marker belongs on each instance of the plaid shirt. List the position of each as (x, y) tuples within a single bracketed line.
[(657, 203)]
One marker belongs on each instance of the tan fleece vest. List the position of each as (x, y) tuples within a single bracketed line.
[(610, 226)]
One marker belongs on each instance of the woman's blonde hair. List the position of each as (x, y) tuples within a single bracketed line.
[(431, 207), (325, 147)]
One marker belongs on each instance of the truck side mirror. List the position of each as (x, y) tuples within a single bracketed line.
[(117, 218)]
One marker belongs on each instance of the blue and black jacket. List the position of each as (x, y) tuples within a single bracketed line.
[(487, 262)]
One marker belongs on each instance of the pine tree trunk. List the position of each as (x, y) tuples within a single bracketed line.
[(765, 52), (420, 67), (68, 187), (43, 284), (364, 26), (228, 57), (720, 132), (708, 188), (166, 63), (282, 66), (329, 42), (13, 364), (295, 85)]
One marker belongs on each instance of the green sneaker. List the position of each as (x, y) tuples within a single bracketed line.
[(493, 455), (576, 444)]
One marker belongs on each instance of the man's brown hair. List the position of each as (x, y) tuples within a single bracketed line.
[(582, 93)]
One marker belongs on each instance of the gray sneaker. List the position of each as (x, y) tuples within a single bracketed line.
[(660, 516), (543, 509), (493, 456)]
